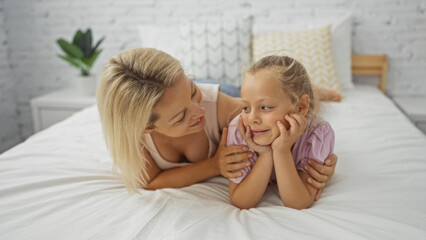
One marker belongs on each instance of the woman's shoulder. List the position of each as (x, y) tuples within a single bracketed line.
[(227, 109), (226, 88), (226, 106), (209, 91)]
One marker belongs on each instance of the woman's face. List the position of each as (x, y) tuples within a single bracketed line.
[(179, 110), (264, 103)]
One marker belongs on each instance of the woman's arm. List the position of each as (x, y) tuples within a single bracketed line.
[(181, 176), (248, 193), (226, 161)]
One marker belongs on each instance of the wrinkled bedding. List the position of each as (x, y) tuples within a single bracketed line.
[(59, 184)]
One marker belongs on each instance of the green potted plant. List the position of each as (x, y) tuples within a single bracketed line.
[(81, 53)]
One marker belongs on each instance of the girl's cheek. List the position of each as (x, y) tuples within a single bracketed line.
[(244, 117), (286, 124)]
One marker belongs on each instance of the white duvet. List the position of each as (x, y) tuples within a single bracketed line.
[(59, 185)]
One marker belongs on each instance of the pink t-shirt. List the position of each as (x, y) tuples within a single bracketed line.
[(315, 143)]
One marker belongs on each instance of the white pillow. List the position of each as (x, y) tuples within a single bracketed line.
[(341, 33), (216, 49), (163, 37)]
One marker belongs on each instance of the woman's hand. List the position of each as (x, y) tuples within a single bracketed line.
[(287, 138), (231, 158), (320, 174), (246, 134)]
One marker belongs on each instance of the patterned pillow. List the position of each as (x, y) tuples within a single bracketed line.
[(216, 49), (311, 47)]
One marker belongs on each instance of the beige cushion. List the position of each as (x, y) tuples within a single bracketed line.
[(311, 47)]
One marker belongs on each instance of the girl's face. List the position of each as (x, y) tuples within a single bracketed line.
[(179, 110), (264, 103)]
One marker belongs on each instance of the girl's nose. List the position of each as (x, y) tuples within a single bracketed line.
[(254, 118)]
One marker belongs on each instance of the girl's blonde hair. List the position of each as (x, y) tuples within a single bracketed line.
[(292, 76), (132, 83)]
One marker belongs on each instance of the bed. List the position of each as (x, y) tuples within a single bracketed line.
[(59, 184)]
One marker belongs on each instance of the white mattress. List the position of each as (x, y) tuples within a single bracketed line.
[(59, 185)]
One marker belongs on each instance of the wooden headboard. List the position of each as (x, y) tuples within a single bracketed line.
[(371, 65)]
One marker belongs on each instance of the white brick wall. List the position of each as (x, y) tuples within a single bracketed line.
[(9, 131), (394, 27)]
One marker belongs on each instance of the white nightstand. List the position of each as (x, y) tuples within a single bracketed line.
[(415, 109), (56, 106)]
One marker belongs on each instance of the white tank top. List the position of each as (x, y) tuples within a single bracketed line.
[(209, 102)]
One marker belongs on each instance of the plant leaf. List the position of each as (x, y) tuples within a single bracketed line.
[(89, 62), (86, 43), (77, 37), (84, 69), (97, 45), (72, 61), (89, 35), (70, 49)]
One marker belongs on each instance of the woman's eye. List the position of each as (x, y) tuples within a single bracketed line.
[(195, 92), (266, 108), (180, 120)]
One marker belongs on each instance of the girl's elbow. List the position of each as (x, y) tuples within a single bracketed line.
[(306, 205), (299, 205), (242, 205), (302, 206)]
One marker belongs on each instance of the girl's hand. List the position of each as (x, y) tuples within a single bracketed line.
[(321, 174), (287, 138), (230, 158), (246, 134)]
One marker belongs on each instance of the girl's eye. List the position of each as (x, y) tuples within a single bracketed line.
[(266, 108), (246, 109)]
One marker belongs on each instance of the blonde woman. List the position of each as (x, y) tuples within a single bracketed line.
[(163, 131)]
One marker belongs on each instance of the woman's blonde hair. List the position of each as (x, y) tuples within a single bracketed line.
[(292, 76), (132, 83)]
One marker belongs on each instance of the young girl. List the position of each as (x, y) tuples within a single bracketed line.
[(278, 123)]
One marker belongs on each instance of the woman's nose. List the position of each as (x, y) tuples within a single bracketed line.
[(197, 111)]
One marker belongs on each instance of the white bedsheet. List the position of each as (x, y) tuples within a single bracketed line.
[(59, 185)]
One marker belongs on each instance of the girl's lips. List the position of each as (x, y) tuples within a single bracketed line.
[(199, 122), (258, 132)]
